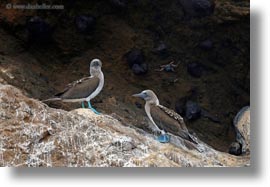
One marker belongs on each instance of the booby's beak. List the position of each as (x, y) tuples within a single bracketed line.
[(140, 95)]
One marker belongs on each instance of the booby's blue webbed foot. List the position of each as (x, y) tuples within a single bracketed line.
[(94, 110), (83, 105), (164, 138)]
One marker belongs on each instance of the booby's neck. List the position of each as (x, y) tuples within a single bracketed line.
[(147, 108), (153, 101), (100, 76), (100, 85), (96, 72), (148, 104)]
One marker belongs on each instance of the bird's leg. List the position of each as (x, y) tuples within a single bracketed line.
[(83, 104), (160, 69), (176, 65), (90, 107), (163, 138), (171, 63)]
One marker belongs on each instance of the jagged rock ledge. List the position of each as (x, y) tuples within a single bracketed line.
[(35, 135)]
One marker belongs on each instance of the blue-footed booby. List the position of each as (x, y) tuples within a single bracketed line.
[(84, 89), (165, 119)]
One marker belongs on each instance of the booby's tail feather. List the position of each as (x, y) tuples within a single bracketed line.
[(52, 99), (190, 145), (193, 139)]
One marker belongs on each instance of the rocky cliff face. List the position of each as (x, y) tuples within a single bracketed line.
[(35, 135), (42, 51)]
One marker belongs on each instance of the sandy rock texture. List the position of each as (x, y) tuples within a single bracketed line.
[(35, 135), (242, 127)]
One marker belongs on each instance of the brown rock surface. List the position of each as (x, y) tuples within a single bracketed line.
[(35, 135)]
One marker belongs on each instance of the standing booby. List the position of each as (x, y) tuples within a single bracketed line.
[(165, 119), (84, 89)]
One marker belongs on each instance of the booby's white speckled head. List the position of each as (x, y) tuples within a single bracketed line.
[(149, 96), (95, 67)]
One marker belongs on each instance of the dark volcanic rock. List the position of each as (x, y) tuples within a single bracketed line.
[(161, 49), (195, 69), (39, 31), (203, 7), (198, 8), (180, 106), (193, 110), (121, 4), (145, 67), (138, 105), (188, 108), (235, 149), (206, 45), (209, 116), (85, 23), (139, 69), (135, 60), (185, 107), (134, 56)]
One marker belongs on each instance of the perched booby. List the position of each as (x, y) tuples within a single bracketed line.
[(84, 89), (165, 119)]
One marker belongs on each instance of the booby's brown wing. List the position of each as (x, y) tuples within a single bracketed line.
[(170, 121), (79, 89)]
